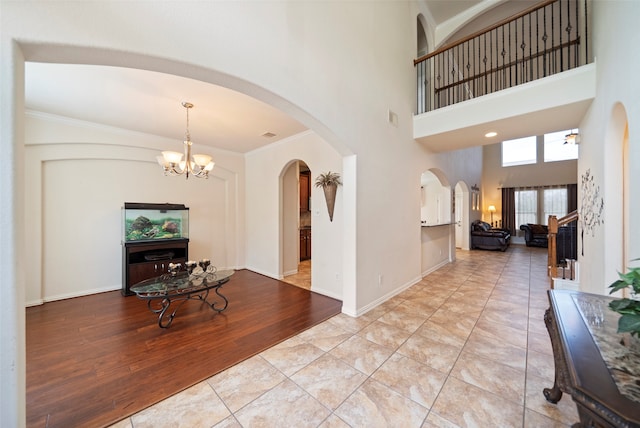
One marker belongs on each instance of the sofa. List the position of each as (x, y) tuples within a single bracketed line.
[(485, 237), (535, 235)]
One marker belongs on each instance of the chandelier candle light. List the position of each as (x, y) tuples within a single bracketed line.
[(196, 165)]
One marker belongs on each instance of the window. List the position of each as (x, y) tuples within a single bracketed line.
[(555, 203), (522, 151), (555, 148), (536, 205), (526, 202)]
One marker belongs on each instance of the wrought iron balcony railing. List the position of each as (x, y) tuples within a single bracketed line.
[(541, 41)]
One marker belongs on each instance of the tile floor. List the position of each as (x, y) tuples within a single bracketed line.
[(465, 347), (301, 279)]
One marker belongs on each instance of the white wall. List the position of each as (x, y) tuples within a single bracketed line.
[(264, 211), (78, 175), (601, 144)]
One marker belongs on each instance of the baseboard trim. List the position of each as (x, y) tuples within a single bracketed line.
[(385, 297), (436, 267)]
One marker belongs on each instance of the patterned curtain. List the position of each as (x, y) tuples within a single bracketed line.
[(509, 209)]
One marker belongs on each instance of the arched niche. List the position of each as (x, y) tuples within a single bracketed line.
[(435, 195)]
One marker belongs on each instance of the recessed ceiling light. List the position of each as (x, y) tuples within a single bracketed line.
[(268, 135), (490, 134)]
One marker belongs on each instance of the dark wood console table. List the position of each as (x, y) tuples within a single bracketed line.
[(597, 366)]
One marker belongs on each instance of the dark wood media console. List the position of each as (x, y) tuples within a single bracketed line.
[(144, 260)]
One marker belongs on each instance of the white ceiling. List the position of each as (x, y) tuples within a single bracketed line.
[(150, 102), (443, 10)]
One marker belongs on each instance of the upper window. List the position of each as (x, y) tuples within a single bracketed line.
[(555, 148), (521, 151)]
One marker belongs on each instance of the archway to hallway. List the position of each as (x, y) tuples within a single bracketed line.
[(295, 214), (69, 55)]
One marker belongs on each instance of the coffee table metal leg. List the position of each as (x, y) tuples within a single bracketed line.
[(226, 302), (161, 306), (165, 305), (213, 304), (162, 310)]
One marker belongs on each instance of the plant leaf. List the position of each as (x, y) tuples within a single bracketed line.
[(618, 285), (328, 178), (624, 306), (629, 324), (629, 279)]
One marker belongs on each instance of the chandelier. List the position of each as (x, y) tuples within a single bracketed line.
[(196, 165)]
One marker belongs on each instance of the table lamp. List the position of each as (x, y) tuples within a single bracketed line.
[(492, 209)]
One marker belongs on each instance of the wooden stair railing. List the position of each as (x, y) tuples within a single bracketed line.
[(552, 249)]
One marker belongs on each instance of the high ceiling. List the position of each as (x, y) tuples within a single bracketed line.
[(443, 10), (150, 102)]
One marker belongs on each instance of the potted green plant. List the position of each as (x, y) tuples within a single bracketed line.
[(329, 183), (629, 309)]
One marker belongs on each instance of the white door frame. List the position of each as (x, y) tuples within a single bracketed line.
[(461, 215)]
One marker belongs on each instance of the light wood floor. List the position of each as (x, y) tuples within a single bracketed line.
[(94, 360)]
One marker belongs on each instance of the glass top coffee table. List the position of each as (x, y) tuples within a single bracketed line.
[(162, 291)]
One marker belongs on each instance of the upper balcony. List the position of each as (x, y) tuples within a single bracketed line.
[(526, 75)]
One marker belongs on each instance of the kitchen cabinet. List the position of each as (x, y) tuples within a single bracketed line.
[(305, 190), (305, 244)]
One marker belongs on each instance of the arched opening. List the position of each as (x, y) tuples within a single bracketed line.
[(421, 43), (616, 194), (626, 181), (435, 207), (15, 323), (422, 74), (437, 235), (296, 224)]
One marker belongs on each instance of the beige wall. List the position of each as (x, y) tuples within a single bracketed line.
[(80, 175)]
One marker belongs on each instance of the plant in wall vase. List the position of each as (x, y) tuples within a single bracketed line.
[(629, 309), (329, 182)]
